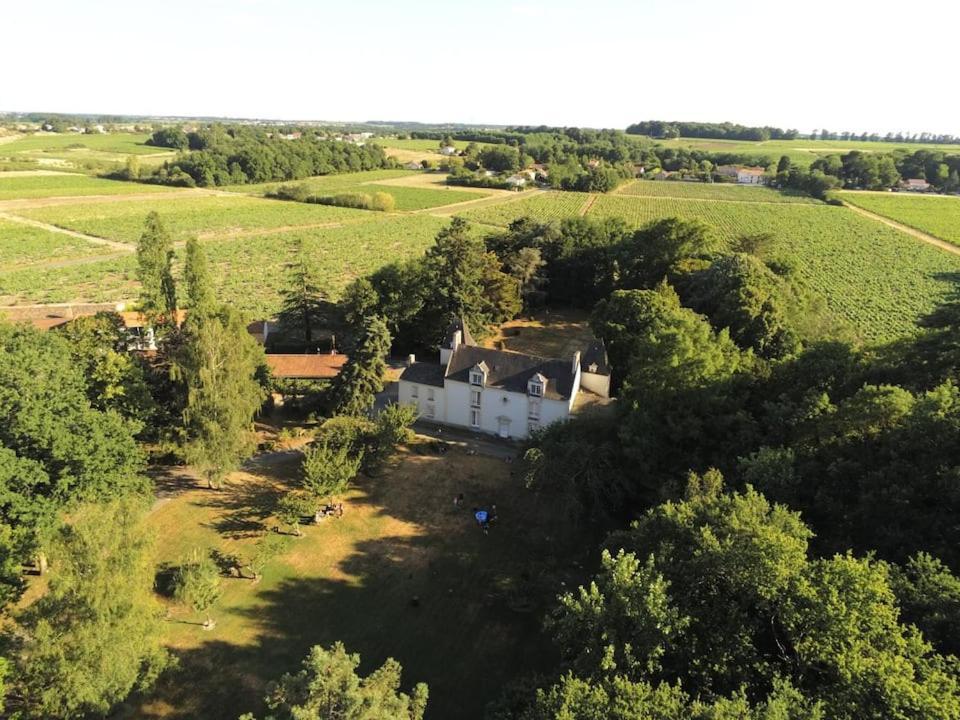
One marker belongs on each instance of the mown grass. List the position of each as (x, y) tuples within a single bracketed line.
[(710, 191), (408, 198), (249, 272), (38, 186), (204, 215), (403, 574), (937, 215), (877, 278), (22, 246)]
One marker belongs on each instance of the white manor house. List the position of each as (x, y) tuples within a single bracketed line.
[(500, 392)]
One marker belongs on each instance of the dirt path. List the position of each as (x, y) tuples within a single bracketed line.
[(32, 203), (918, 234), (507, 196), (63, 231), (587, 205)]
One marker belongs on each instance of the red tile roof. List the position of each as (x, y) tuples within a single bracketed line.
[(306, 367)]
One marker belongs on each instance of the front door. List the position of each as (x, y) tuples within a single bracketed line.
[(504, 427)]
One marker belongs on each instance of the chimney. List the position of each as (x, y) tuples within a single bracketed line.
[(457, 339), (411, 359), (576, 362)]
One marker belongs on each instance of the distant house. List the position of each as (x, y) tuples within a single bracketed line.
[(915, 184), (593, 163), (306, 366), (516, 181), (638, 170), (750, 176), (663, 175), (292, 136), (499, 392), (542, 171), (448, 150), (530, 174), (729, 171), (413, 165)]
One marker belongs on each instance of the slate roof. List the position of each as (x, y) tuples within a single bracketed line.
[(596, 353), (510, 370), (424, 373), (461, 325)]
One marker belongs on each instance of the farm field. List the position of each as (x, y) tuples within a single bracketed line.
[(877, 278), (248, 272), (22, 246), (117, 143), (419, 144), (15, 186), (710, 191), (800, 151), (204, 215), (408, 198), (479, 597), (938, 216)]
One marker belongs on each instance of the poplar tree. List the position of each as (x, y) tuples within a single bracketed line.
[(196, 275), (158, 293)]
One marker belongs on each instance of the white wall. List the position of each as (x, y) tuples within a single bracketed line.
[(599, 384), (496, 403), (422, 401)]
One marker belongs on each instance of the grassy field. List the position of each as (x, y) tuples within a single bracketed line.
[(875, 277), (799, 151), (418, 144), (204, 215), (939, 216), (479, 598), (710, 191), (248, 271), (116, 143), (15, 186), (22, 246), (408, 198)]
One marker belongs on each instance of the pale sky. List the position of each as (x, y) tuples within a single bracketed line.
[(856, 65)]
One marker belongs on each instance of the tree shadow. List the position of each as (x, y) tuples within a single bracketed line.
[(460, 610)]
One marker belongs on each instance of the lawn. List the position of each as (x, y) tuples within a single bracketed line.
[(403, 574), (937, 215), (206, 216), (877, 278), (408, 198), (22, 246), (554, 334), (15, 186), (249, 271), (710, 191)]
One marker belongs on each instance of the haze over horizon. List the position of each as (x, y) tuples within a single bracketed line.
[(856, 66)]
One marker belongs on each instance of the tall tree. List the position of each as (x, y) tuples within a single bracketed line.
[(158, 293), (196, 274), (219, 363), (95, 636), (328, 471), (328, 687), (304, 300), (197, 583), (361, 378)]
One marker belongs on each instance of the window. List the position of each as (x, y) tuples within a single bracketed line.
[(475, 398), (533, 408), (428, 411), (476, 377), (535, 388), (474, 418), (414, 391), (430, 394)]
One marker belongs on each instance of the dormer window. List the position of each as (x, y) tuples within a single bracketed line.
[(478, 375), (535, 387)]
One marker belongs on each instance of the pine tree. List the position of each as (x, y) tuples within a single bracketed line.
[(158, 293), (361, 378), (304, 301)]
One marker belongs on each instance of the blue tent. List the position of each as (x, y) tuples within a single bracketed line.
[(481, 516)]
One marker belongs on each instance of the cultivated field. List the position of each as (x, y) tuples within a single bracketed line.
[(28, 185), (710, 191), (117, 143), (203, 215), (875, 277), (403, 574), (938, 216), (22, 246), (408, 198), (802, 152)]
